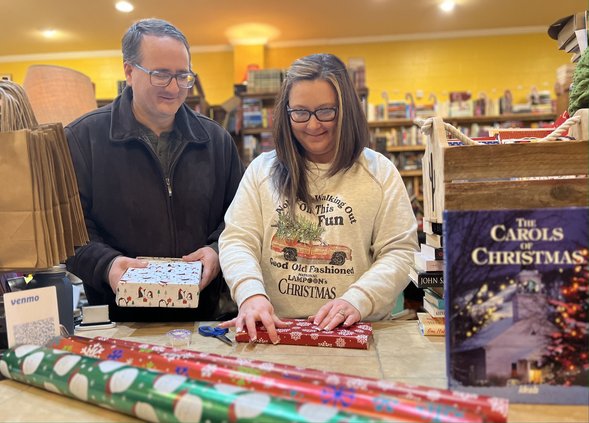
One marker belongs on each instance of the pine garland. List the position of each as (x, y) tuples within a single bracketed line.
[(579, 97)]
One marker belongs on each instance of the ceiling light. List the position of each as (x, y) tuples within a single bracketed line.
[(49, 33), (447, 5), (124, 6), (251, 34)]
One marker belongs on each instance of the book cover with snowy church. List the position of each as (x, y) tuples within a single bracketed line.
[(516, 295)]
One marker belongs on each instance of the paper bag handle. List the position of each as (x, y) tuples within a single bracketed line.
[(15, 109)]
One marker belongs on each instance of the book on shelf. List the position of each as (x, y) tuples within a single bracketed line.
[(461, 109), (432, 253), (397, 110), (265, 144), (260, 81), (572, 46), (504, 135), (408, 160), (379, 142), (423, 279), (433, 310), (401, 136), (425, 111), (517, 303), (438, 290), (252, 113), (248, 151), (433, 227), (434, 298), (357, 70), (430, 326), (576, 57), (429, 265), (480, 140), (435, 240)]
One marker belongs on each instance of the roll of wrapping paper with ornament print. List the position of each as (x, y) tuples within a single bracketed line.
[(493, 409), (154, 396), (346, 399)]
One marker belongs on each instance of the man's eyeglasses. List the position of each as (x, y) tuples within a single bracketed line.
[(163, 79), (326, 114)]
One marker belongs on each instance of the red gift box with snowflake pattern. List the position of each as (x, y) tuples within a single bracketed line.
[(303, 332)]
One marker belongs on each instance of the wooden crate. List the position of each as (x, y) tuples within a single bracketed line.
[(524, 175)]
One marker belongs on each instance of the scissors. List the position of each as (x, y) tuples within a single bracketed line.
[(216, 332)]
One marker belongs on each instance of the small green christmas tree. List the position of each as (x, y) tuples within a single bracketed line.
[(579, 97), (301, 229)]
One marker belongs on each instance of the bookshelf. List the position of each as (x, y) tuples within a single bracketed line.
[(256, 112), (401, 141)]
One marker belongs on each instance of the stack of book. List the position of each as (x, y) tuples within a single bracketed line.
[(264, 80), (357, 71), (427, 273), (424, 111), (392, 138), (398, 110), (252, 113), (433, 321), (428, 267), (461, 104), (433, 301), (571, 34)]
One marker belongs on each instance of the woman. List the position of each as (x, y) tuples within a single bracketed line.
[(322, 227)]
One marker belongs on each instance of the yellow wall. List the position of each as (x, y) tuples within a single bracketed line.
[(103, 71), (478, 64)]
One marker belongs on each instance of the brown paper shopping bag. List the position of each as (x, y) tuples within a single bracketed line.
[(41, 219), (64, 159), (21, 243)]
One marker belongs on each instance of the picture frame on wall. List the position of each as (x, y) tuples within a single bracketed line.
[(5, 77)]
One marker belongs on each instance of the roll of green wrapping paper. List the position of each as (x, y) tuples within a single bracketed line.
[(376, 406), (154, 396)]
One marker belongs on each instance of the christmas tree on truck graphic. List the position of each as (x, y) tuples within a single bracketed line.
[(300, 238)]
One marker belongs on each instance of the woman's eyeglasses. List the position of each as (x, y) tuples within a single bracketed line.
[(326, 114)]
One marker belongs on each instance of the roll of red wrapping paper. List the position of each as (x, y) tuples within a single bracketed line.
[(493, 409), (155, 396), (348, 399)]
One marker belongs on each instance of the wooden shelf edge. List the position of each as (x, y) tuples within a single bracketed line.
[(522, 117), (413, 172), (255, 131), (402, 148)]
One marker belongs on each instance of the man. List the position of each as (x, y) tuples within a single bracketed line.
[(155, 178)]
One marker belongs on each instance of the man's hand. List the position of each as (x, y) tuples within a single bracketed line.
[(210, 264), (119, 266)]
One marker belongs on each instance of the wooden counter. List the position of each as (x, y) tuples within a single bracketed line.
[(399, 353)]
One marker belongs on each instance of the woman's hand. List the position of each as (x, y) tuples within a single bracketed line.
[(334, 313), (256, 309)]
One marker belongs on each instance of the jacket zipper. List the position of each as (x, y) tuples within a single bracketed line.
[(169, 185)]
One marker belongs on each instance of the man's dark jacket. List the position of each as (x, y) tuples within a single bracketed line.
[(132, 209)]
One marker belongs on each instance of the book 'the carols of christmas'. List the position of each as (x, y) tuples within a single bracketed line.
[(516, 303)]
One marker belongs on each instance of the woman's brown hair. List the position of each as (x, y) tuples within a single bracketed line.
[(289, 172)]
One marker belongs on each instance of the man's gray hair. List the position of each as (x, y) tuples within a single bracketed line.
[(155, 27)]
